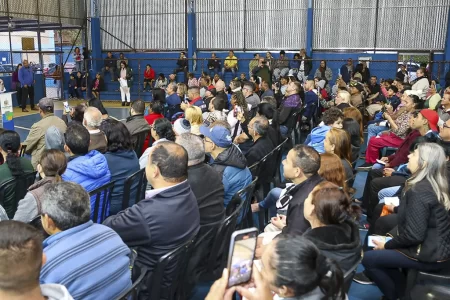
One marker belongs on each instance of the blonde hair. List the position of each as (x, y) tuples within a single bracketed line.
[(432, 166), (194, 115), (344, 95)]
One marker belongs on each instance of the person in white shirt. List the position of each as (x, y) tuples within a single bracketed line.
[(421, 83)]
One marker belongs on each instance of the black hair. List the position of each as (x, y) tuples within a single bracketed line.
[(171, 160), (300, 266), (117, 134), (17, 68), (268, 111), (307, 159), (94, 102), (282, 52), (164, 129), (78, 113), (429, 139), (394, 89), (353, 129), (256, 78), (148, 65), (332, 115), (156, 107), (77, 139), (138, 106), (418, 104), (159, 95), (161, 75), (124, 63), (10, 143)]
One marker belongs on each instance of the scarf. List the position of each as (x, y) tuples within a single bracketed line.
[(292, 101)]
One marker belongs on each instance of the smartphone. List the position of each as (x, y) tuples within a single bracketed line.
[(241, 255), (66, 106), (377, 238)]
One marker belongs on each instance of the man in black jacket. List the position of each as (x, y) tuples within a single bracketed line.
[(110, 66), (262, 145), (167, 217), (182, 65), (206, 183), (300, 166)]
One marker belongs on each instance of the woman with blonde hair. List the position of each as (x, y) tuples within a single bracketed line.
[(421, 239), (194, 115), (182, 90), (337, 141)]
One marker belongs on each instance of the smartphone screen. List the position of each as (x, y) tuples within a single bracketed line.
[(66, 107), (241, 255)]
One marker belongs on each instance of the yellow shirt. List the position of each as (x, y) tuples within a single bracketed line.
[(230, 62)]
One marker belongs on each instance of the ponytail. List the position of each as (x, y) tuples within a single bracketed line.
[(13, 162), (331, 278)]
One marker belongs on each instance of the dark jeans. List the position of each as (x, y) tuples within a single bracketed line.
[(376, 182), (380, 225), (184, 70), (75, 93), (382, 266), (27, 91)]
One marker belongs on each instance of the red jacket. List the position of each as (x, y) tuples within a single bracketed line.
[(149, 74), (401, 156), (150, 118)]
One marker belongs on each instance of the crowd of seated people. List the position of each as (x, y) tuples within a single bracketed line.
[(201, 142)]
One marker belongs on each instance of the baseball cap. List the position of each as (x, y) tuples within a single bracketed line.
[(357, 85), (182, 126), (432, 118), (46, 104), (220, 135)]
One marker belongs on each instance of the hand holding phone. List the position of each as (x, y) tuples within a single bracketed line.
[(378, 238), (66, 107), (241, 255)]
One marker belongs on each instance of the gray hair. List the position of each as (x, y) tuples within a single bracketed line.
[(432, 166), (93, 117), (249, 86), (271, 100), (261, 125), (174, 86), (67, 204), (195, 147)]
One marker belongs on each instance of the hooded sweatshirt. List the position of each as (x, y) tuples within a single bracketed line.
[(318, 135), (232, 166), (339, 242), (55, 292), (91, 171)]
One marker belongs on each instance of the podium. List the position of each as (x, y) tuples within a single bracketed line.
[(6, 107)]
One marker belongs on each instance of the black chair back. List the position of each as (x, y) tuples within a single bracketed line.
[(134, 185), (14, 190), (242, 200), (102, 201), (280, 148), (138, 141), (348, 276), (23, 148), (133, 292), (218, 255), (173, 265), (292, 121)]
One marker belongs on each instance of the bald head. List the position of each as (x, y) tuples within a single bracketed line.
[(220, 85), (92, 118), (171, 161)]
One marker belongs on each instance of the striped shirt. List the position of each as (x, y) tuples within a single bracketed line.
[(90, 260)]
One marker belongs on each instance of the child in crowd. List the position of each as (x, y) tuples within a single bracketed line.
[(73, 93)]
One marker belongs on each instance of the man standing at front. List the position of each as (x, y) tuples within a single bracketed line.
[(26, 78)]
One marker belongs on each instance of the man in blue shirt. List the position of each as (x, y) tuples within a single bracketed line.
[(26, 78)]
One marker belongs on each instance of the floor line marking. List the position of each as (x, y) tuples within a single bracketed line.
[(20, 127)]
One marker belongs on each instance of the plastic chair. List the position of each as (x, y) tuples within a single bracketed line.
[(243, 198), (386, 151), (218, 255), (138, 141), (19, 186), (348, 276), (133, 292), (174, 265), (141, 180), (427, 285), (102, 201), (23, 149)]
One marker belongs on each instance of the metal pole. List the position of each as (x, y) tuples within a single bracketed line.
[(377, 7), (10, 40), (41, 60), (61, 55)]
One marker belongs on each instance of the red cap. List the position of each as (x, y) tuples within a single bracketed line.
[(432, 118)]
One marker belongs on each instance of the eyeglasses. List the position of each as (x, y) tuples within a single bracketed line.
[(444, 125)]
